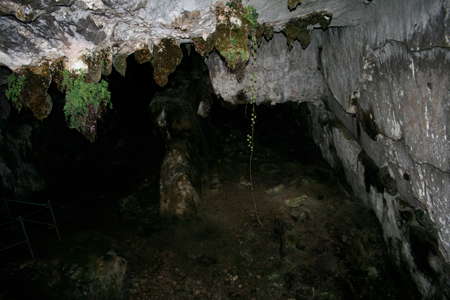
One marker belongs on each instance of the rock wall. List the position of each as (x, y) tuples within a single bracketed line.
[(394, 146)]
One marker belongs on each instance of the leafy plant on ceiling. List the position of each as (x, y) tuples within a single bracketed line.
[(15, 85), (85, 102), (236, 24)]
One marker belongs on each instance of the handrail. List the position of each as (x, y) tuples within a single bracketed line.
[(25, 241), (26, 219), (28, 203)]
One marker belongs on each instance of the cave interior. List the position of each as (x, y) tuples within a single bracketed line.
[(275, 220)]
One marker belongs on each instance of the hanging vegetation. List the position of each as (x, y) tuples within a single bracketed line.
[(85, 103)]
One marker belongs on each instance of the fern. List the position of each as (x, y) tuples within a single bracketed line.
[(85, 102), (251, 15), (16, 84)]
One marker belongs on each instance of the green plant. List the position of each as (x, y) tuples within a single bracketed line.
[(16, 84), (234, 4), (237, 24), (234, 41), (85, 102), (251, 15)]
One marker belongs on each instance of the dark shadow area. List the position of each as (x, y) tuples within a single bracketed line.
[(126, 150), (282, 128)]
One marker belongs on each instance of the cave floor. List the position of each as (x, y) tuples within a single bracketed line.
[(297, 235)]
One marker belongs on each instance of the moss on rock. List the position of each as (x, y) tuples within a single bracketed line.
[(99, 63), (167, 56), (36, 97), (237, 34), (16, 84), (237, 27), (28, 88), (203, 47), (296, 32), (292, 4), (232, 44), (119, 62), (57, 69), (266, 31), (142, 56), (299, 29)]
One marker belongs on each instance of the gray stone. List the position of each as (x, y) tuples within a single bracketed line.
[(425, 190), (389, 84), (273, 76)]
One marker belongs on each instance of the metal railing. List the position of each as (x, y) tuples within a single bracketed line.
[(26, 239), (22, 217)]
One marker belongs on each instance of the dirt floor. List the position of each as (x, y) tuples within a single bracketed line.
[(292, 234), (297, 235)]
